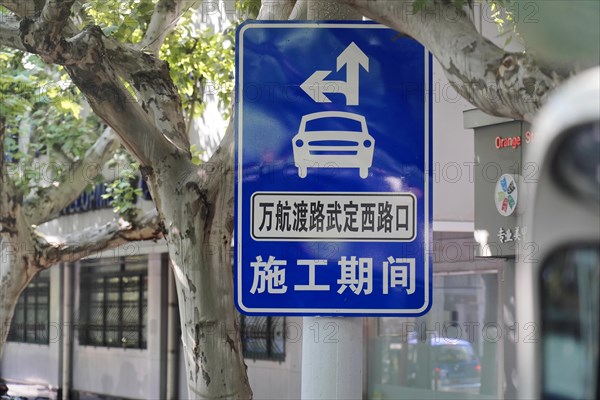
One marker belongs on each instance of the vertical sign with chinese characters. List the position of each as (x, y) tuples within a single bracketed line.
[(333, 151), (501, 185)]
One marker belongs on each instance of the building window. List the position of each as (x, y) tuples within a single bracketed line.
[(263, 338), (114, 302), (32, 312)]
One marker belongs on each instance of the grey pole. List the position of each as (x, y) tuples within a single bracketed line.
[(332, 348), (67, 331), (173, 343), (332, 358)]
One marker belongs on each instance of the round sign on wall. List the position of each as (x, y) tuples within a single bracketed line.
[(506, 195)]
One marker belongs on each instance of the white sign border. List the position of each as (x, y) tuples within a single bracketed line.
[(239, 119)]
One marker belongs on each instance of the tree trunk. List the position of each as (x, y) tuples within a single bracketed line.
[(16, 247), (198, 221), (195, 203), (14, 277)]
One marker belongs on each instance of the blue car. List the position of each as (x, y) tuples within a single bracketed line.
[(439, 363)]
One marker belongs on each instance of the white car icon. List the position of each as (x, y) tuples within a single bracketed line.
[(333, 139)]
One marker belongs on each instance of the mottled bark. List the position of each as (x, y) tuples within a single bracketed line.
[(18, 246), (10, 33), (275, 9), (195, 204), (330, 10), (44, 203), (164, 19), (498, 82), (13, 240), (24, 8), (78, 245), (14, 277)]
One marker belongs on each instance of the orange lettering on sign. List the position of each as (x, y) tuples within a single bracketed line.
[(513, 141)]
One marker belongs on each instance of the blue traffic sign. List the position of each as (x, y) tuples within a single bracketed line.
[(333, 158)]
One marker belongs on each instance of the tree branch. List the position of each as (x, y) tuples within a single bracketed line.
[(221, 178), (499, 83), (23, 8), (43, 204), (14, 227), (61, 155), (275, 9), (91, 66), (42, 35), (97, 64), (156, 92), (111, 101), (55, 16), (331, 10), (9, 195), (164, 19), (300, 11), (10, 35), (113, 234)]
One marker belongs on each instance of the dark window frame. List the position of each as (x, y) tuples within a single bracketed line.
[(252, 332), (91, 272), (20, 331)]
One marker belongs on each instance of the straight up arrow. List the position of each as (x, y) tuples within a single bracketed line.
[(352, 58), (316, 86)]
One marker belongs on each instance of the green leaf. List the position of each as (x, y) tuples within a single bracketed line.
[(110, 30), (70, 106)]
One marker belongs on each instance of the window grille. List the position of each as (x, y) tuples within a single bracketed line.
[(263, 338), (113, 302), (30, 323)]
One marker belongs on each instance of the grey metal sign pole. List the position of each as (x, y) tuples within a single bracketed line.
[(332, 348), (332, 358)]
